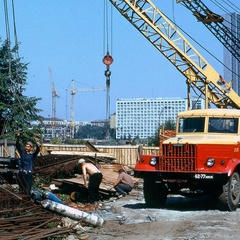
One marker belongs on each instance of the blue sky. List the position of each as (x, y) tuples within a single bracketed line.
[(68, 37)]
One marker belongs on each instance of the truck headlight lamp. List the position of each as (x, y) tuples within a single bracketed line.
[(153, 161), (210, 162)]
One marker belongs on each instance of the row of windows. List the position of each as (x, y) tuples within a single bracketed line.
[(142, 118), (156, 113), (150, 108), (151, 102), (145, 116), (151, 111)]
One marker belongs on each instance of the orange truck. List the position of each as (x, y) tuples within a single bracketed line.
[(203, 158)]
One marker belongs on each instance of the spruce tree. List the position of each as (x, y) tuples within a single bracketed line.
[(16, 109)]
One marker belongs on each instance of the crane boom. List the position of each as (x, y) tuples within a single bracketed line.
[(160, 31), (215, 24), (73, 92)]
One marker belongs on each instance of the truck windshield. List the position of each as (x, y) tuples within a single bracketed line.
[(193, 124), (223, 125)]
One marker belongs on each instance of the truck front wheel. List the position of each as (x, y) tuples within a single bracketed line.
[(230, 196), (155, 194)]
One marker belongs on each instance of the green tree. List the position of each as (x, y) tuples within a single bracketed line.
[(56, 140), (89, 131), (112, 132), (154, 141), (74, 141), (170, 125), (16, 110)]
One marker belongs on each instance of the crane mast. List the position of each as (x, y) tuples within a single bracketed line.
[(160, 31), (72, 108), (54, 96), (215, 24)]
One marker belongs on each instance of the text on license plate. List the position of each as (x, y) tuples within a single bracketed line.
[(202, 176)]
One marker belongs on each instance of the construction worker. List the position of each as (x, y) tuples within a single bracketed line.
[(94, 180), (27, 156), (124, 183)]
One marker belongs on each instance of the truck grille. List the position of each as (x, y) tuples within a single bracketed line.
[(178, 158)]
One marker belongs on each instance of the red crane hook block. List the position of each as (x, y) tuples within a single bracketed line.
[(107, 60)]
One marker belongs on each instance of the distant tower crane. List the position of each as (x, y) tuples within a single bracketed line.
[(72, 109), (54, 96)]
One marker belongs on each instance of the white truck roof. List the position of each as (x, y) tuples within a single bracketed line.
[(218, 112)]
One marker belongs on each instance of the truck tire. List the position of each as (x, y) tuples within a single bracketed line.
[(155, 194), (230, 196)]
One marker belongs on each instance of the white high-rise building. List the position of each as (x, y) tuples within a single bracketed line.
[(232, 69), (141, 117)]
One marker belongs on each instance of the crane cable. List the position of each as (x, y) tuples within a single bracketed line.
[(228, 3), (13, 87), (209, 52), (15, 29), (17, 56), (9, 57), (107, 60), (225, 10), (107, 30), (8, 37), (231, 5)]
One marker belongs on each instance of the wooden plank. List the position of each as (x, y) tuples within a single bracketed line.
[(105, 185), (91, 154), (124, 154), (6, 150), (91, 147), (113, 167), (109, 177)]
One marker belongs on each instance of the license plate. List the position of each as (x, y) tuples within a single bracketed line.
[(203, 176)]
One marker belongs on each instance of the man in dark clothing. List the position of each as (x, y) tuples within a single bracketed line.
[(95, 178), (124, 183), (26, 163)]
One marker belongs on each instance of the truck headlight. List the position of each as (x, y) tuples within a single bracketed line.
[(210, 162), (153, 161)]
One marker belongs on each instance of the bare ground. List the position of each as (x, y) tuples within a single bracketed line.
[(182, 218)]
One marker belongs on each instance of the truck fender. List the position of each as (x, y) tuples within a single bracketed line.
[(233, 166)]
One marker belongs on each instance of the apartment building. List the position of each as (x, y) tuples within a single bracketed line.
[(59, 128), (141, 117)]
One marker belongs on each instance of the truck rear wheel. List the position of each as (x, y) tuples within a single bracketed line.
[(155, 194), (230, 196)]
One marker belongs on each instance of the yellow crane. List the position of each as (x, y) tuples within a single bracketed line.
[(72, 108), (166, 38)]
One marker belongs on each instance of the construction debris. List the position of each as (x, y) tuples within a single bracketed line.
[(29, 222), (26, 217)]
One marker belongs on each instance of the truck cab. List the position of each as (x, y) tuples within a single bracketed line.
[(203, 158)]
